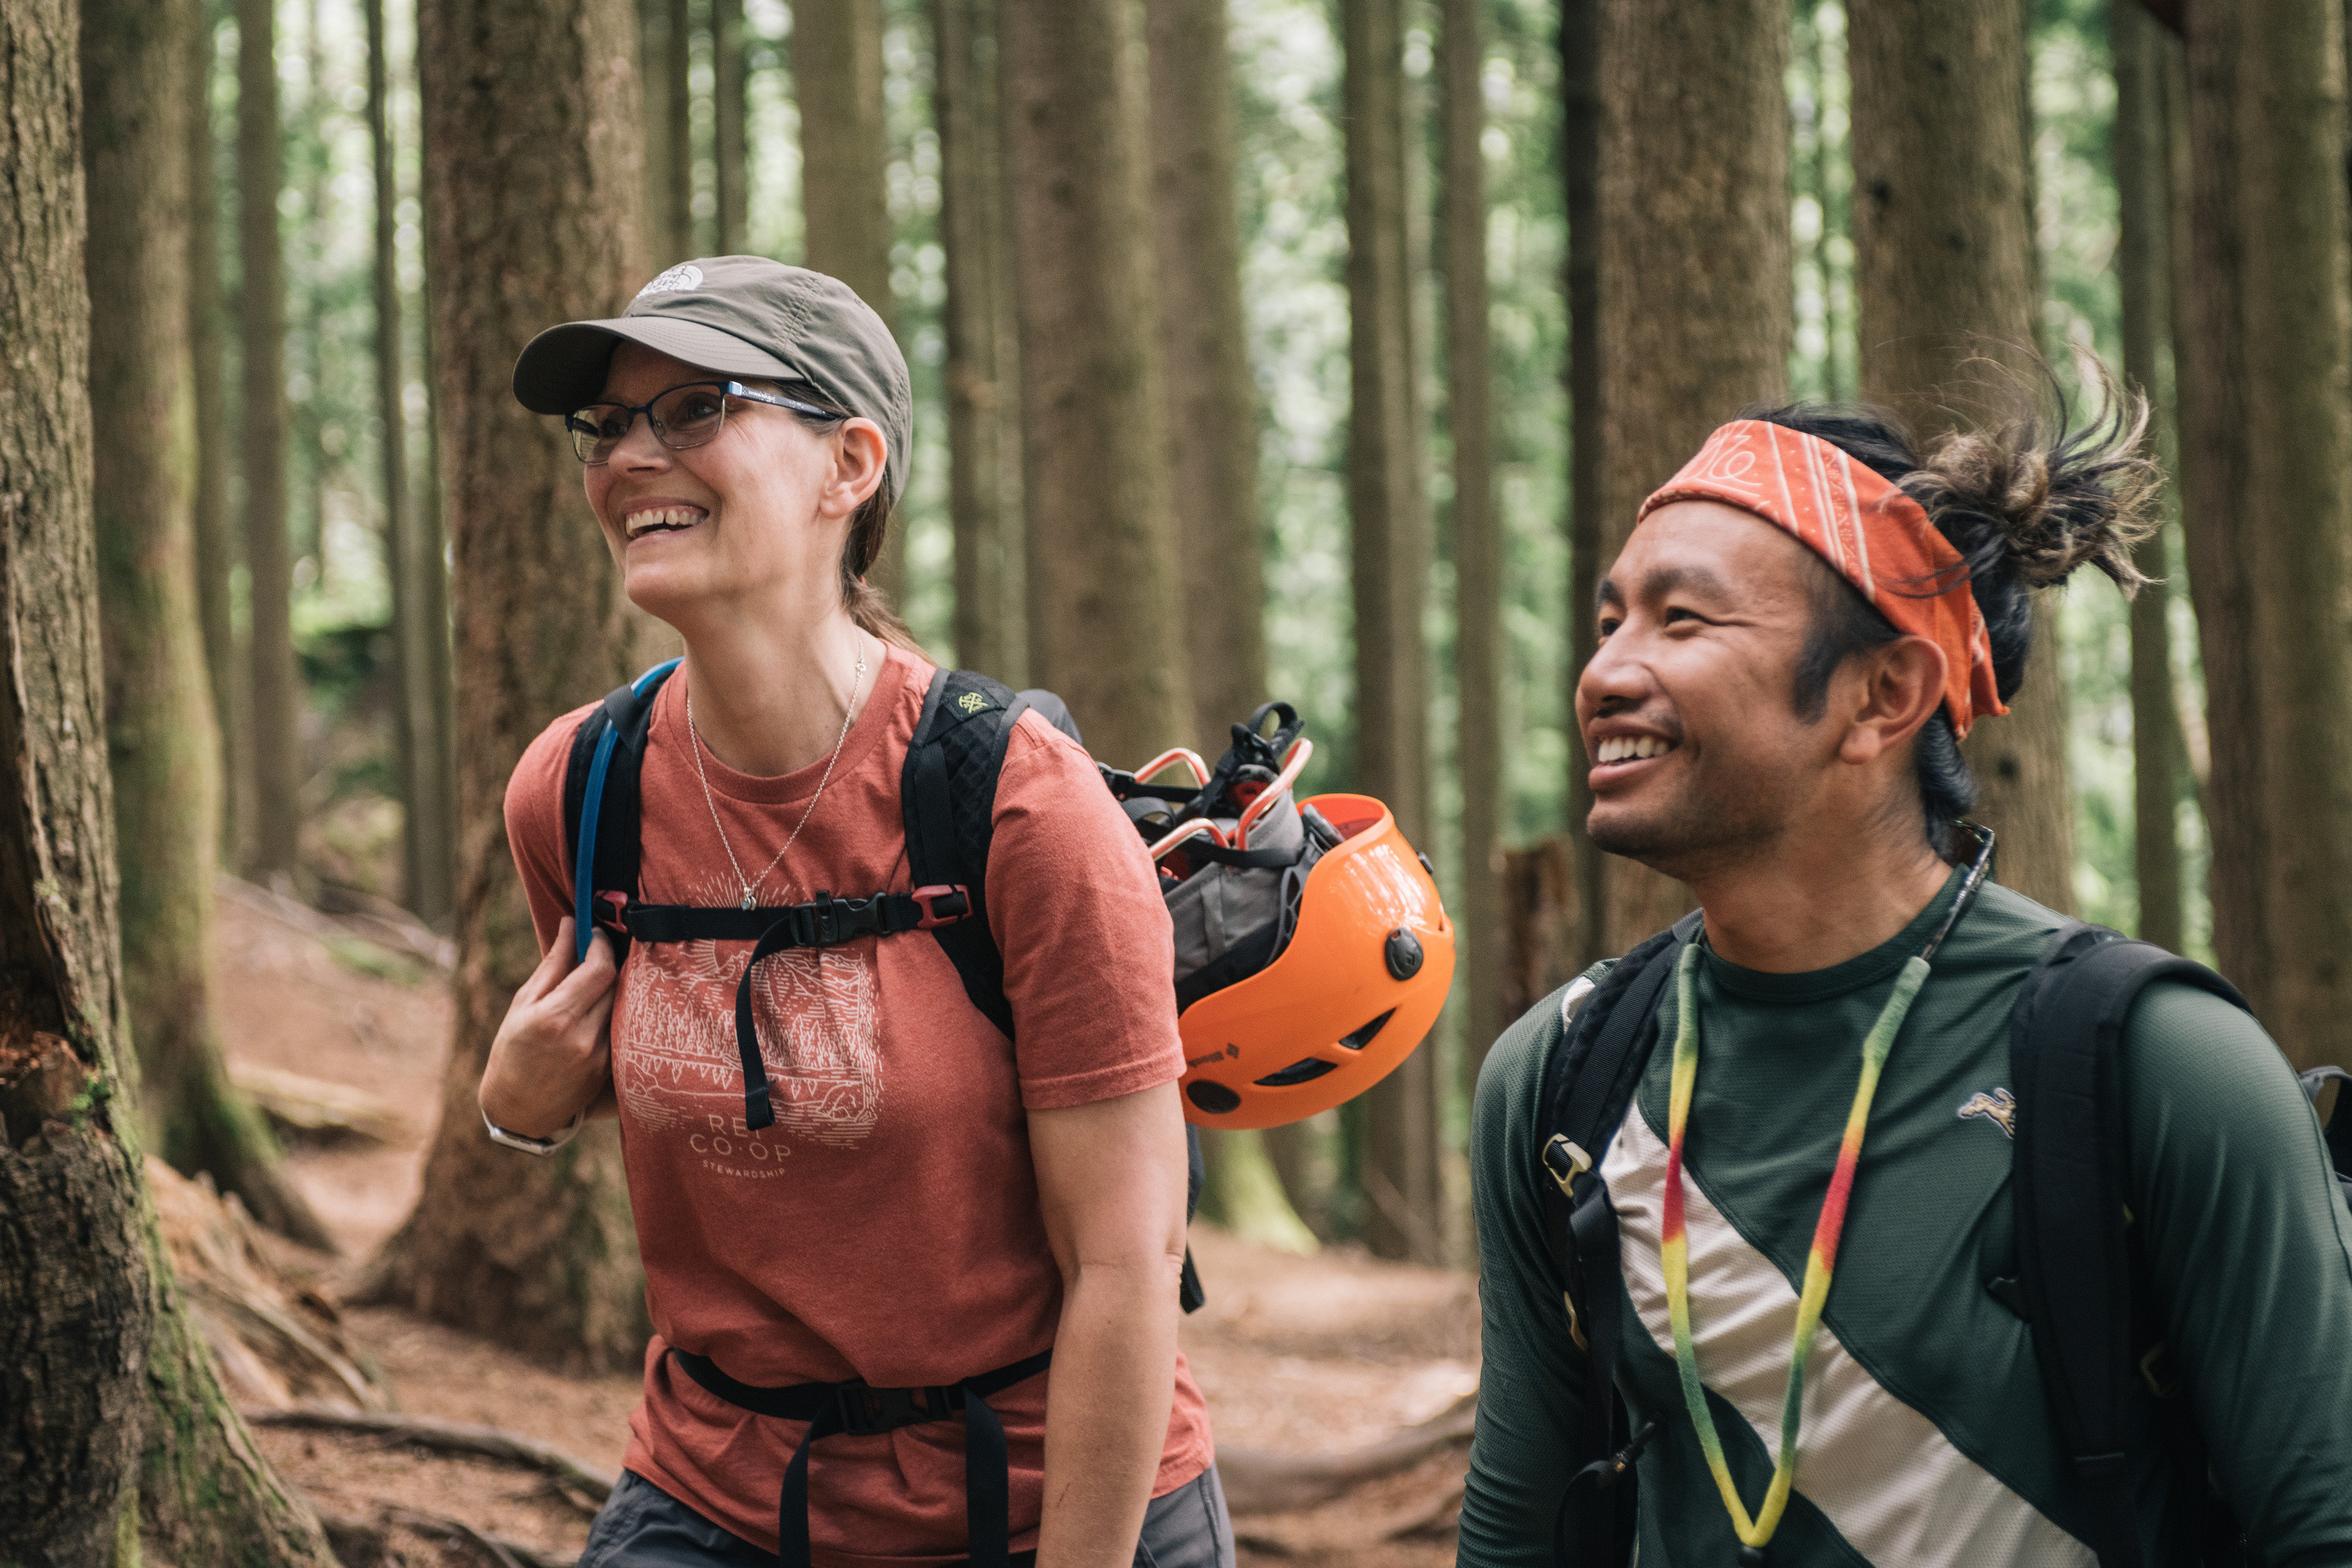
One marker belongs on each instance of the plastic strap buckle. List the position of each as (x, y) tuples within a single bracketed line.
[(867, 1410), (612, 911), (943, 903)]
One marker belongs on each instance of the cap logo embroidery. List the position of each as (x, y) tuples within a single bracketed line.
[(683, 279), (1999, 1107)]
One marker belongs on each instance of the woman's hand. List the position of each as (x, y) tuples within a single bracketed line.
[(553, 1052), (1110, 1178)]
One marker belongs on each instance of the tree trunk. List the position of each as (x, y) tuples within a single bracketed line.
[(1579, 79), (983, 347), (1389, 512), (429, 844), (1696, 299), (1103, 625), (1944, 273), (162, 744), (108, 1407), (1478, 534), (268, 552), (2263, 369), (534, 189), (218, 545), (663, 37), (2143, 198), (1205, 357), (729, 127), (845, 186)]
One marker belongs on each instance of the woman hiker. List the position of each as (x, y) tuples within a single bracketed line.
[(860, 1273)]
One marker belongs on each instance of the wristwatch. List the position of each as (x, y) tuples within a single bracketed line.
[(531, 1145)]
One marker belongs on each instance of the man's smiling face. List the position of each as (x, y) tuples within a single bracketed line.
[(1687, 707)]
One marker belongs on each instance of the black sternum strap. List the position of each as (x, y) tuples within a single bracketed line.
[(860, 1409)]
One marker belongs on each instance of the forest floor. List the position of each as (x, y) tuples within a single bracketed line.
[(1295, 1355)]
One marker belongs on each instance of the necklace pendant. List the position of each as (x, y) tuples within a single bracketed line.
[(751, 899)]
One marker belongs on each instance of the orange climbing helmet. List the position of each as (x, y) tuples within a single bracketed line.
[(1312, 951)]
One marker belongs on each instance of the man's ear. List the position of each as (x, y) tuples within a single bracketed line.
[(861, 459), (1893, 689)]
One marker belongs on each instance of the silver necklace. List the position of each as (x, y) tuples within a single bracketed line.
[(751, 885)]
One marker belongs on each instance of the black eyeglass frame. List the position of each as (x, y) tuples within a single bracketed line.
[(727, 389)]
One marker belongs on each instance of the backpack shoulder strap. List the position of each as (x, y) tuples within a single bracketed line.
[(1587, 1081), (2070, 1181), (948, 793), (600, 800)]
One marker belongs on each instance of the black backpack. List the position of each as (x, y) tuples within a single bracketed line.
[(2079, 1286), (947, 790)]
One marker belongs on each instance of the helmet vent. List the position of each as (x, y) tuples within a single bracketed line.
[(1302, 1072), (1404, 954), (1213, 1097), (1363, 1037)]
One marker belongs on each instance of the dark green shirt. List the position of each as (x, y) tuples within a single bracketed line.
[(1926, 1437)]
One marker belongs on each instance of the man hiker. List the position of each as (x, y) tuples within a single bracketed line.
[(1754, 1284)]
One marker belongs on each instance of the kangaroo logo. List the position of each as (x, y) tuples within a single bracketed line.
[(1998, 1106)]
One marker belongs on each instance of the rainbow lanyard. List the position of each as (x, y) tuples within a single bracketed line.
[(1673, 1246)]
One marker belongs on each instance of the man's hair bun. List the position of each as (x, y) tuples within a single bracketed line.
[(2033, 507)]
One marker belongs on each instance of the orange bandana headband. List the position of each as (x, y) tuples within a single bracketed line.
[(1875, 536)]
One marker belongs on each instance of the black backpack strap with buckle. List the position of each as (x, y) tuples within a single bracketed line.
[(857, 1408), (1587, 1082)]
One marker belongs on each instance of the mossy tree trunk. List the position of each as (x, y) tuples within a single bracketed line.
[(1944, 273), (219, 542), (983, 373), (1696, 299), (1388, 506), (269, 551), (1212, 458), (162, 744), (844, 183), (420, 629), (1477, 532), (111, 1422), (531, 137), (2264, 356), (2143, 191), (1104, 630), (1580, 86)]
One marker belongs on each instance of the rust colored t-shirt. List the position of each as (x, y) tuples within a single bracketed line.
[(886, 1226)]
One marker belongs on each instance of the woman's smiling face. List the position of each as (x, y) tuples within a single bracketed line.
[(762, 510)]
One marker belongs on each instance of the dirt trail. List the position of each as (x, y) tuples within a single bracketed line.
[(1295, 1355)]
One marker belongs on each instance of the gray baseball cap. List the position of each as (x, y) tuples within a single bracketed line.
[(738, 316)]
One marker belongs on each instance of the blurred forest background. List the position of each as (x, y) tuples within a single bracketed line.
[(1310, 348)]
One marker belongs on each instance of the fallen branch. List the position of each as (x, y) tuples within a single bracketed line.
[(447, 1438), (314, 1105), (1258, 1480)]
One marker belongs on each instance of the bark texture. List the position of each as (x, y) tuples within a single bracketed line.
[(532, 119), (983, 368), (162, 745), (1580, 86), (668, 148), (1388, 505), (1945, 274), (2265, 360), (1477, 532), (219, 544), (731, 143), (2143, 190), (420, 629), (1696, 299), (269, 551), (1103, 625), (106, 1407), (1204, 358), (844, 183)]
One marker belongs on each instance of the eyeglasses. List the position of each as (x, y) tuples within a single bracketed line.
[(682, 417)]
